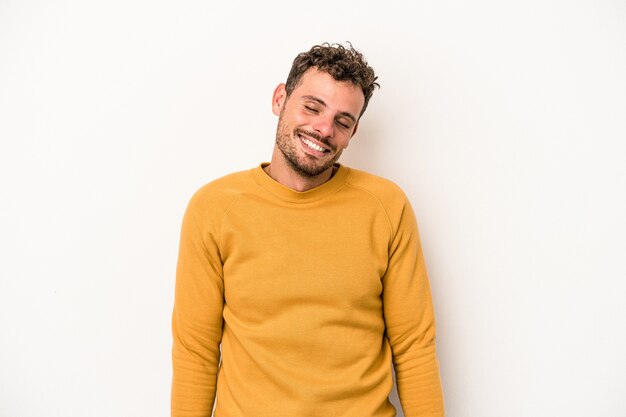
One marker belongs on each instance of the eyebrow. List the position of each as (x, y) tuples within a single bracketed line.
[(323, 103)]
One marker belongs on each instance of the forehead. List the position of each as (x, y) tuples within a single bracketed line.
[(339, 95)]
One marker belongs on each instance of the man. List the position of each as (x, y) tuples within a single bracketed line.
[(304, 276)]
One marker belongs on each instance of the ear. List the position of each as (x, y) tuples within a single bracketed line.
[(278, 99)]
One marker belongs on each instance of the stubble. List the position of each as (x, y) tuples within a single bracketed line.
[(304, 165)]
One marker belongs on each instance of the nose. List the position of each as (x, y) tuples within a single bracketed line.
[(324, 125)]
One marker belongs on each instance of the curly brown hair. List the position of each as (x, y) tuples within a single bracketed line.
[(343, 64)]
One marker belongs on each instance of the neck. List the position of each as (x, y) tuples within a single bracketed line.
[(280, 171)]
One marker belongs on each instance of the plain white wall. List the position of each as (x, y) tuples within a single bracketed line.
[(504, 121)]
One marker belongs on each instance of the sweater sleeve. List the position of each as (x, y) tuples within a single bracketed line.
[(197, 316), (410, 322)]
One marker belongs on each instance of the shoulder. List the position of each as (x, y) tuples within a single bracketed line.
[(388, 193), (390, 198), (222, 193)]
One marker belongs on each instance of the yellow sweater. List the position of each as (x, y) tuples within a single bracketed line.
[(311, 295)]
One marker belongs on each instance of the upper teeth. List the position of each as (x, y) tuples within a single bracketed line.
[(312, 145)]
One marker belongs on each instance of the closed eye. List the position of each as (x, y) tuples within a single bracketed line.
[(311, 109)]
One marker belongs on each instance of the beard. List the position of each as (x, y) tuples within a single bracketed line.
[(306, 166)]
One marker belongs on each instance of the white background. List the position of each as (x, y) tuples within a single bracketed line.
[(504, 121)]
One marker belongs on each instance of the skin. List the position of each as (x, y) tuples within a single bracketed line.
[(321, 111)]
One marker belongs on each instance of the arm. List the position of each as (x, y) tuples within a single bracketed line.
[(410, 322), (197, 317)]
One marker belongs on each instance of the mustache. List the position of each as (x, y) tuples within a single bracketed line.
[(317, 137)]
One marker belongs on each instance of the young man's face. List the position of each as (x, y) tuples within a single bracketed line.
[(316, 122)]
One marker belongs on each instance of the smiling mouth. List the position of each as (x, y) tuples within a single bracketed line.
[(312, 145)]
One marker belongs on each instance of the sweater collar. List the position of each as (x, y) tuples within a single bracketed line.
[(287, 194)]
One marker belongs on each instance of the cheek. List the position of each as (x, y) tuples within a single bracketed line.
[(301, 119), (343, 144)]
